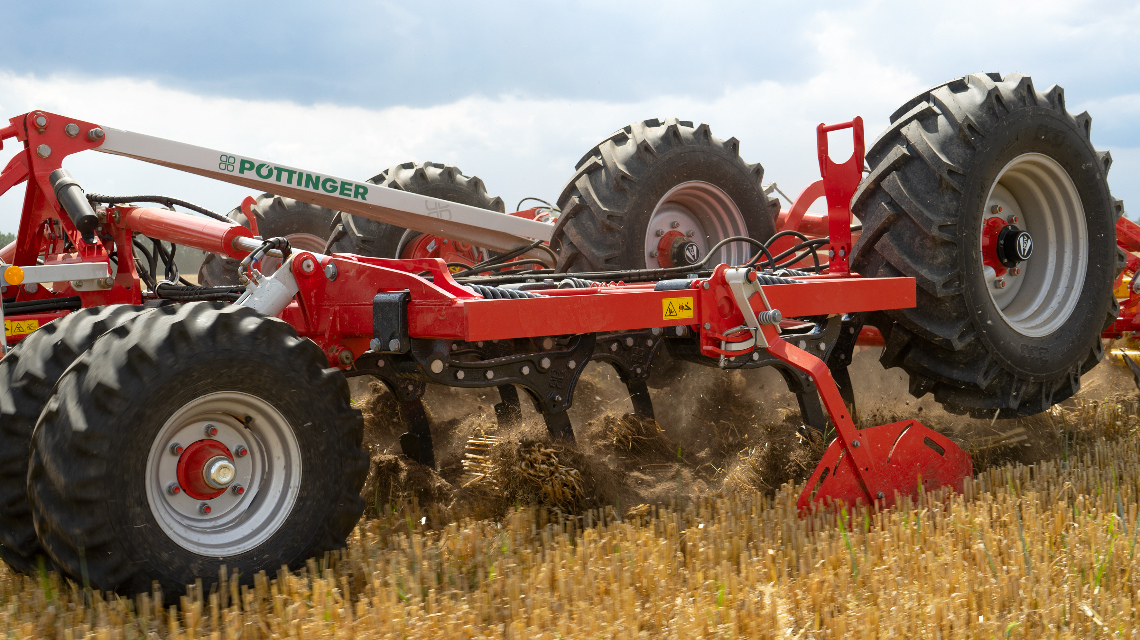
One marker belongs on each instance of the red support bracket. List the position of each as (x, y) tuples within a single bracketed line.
[(840, 182)]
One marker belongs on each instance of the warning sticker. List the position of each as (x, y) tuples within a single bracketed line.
[(676, 308), (20, 327)]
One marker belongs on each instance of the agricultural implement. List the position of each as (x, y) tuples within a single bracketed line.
[(175, 427)]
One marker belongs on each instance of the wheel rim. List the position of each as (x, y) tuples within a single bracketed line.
[(262, 488), (703, 214), (298, 242), (1038, 192)]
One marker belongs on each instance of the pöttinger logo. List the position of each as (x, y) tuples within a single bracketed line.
[(226, 163), (1024, 246)]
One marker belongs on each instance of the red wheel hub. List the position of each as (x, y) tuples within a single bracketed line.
[(665, 248), (192, 468), (990, 231), (427, 246)]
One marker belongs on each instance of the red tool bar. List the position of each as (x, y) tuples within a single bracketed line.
[(184, 229), (619, 308)]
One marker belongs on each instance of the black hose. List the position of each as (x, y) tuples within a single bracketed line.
[(166, 200), (70, 303)]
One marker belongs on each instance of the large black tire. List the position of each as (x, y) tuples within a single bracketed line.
[(608, 204), (91, 471), (365, 237), (305, 225), (934, 175), (27, 375)]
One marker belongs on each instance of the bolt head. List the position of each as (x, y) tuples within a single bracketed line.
[(394, 344), (674, 224), (648, 342), (629, 341), (653, 254), (95, 134), (374, 344), (613, 346), (755, 355), (204, 509), (43, 151), (173, 489), (1016, 271), (544, 363), (437, 366), (459, 375), (548, 343), (219, 472), (211, 431), (176, 449), (41, 121), (995, 209), (241, 451), (330, 271), (71, 130), (489, 374), (345, 357), (708, 325), (308, 265), (525, 370), (705, 285), (238, 489), (659, 233), (999, 283), (690, 233), (571, 364), (1013, 219), (855, 443), (880, 495)]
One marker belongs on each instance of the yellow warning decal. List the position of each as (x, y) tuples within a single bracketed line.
[(20, 327), (676, 308)]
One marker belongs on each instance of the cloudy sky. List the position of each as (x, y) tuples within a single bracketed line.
[(516, 92)]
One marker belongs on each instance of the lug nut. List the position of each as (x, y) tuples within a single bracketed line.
[(241, 451), (173, 489), (176, 449), (238, 489), (690, 233), (653, 254), (996, 209), (204, 509), (999, 283), (674, 224), (1013, 219), (330, 271), (211, 431), (1016, 271), (659, 233)]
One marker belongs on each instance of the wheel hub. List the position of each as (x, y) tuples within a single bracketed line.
[(205, 469), (700, 214), (1004, 245)]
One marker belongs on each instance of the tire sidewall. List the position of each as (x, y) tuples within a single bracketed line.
[(139, 533), (1039, 130), (693, 164)]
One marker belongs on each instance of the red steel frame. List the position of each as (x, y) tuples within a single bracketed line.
[(338, 314)]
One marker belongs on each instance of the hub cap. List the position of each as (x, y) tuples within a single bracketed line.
[(703, 215), (236, 486), (1034, 244)]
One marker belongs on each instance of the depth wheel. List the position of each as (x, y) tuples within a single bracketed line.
[(198, 436), (27, 375), (305, 226), (381, 240), (991, 195), (660, 194)]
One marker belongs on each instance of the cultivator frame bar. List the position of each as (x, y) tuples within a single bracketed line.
[(409, 323)]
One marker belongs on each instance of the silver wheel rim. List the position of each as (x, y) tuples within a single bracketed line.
[(705, 215), (1039, 192), (298, 242), (269, 473)]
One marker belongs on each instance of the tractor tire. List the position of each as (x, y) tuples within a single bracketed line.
[(160, 404), (365, 237), (27, 375), (957, 160), (657, 177), (305, 225)]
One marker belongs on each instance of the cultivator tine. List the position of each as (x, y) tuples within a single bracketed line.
[(811, 412), (508, 412), (416, 443), (558, 424), (639, 396)]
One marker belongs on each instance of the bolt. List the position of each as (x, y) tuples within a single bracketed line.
[(659, 233), (629, 342), (571, 364), (1016, 271), (241, 451), (822, 347), (75, 284), (204, 509), (330, 271), (31, 287), (394, 344), (345, 357), (173, 489), (211, 431), (437, 366), (995, 209), (855, 443), (43, 150), (95, 134), (1013, 219), (525, 370), (674, 224), (880, 495), (705, 285), (613, 346), (71, 130), (755, 355), (489, 374), (708, 325), (657, 331), (690, 233), (238, 489), (459, 375), (175, 449), (557, 398), (637, 370), (41, 121), (653, 254), (308, 266), (830, 253), (679, 330), (544, 364), (648, 342), (999, 283), (802, 344), (374, 344)]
